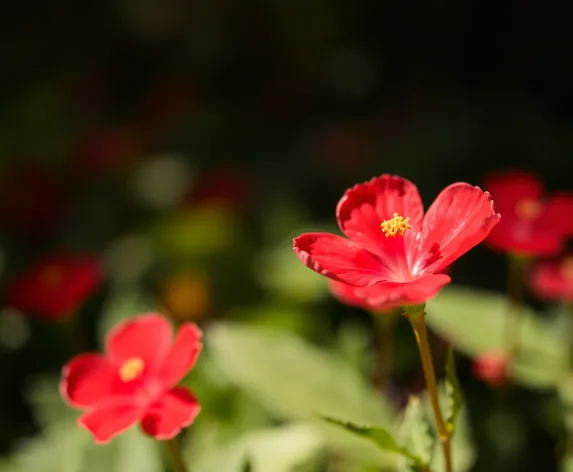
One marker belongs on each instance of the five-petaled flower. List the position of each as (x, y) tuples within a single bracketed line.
[(553, 279), (532, 225), (55, 286), (136, 380), (402, 264), (492, 367)]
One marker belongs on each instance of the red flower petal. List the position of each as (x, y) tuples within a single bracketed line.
[(339, 259), (182, 356), (419, 290), (110, 418), (87, 379), (176, 410), (366, 298), (553, 280), (557, 214), (509, 187), (460, 218), (365, 206), (145, 336)]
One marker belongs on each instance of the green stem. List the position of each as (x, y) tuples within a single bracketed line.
[(174, 447), (515, 293), (385, 324), (417, 320)]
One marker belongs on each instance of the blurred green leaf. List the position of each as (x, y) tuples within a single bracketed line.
[(454, 393), (414, 431), (196, 233), (278, 449), (377, 434), (295, 380), (291, 378), (353, 346), (474, 322)]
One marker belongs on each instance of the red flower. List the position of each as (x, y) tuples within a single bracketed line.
[(366, 298), (491, 367), (531, 225), (31, 201), (135, 380), (392, 245), (553, 279), (55, 286)]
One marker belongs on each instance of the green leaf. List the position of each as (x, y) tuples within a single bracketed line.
[(474, 322), (414, 432), (295, 380), (378, 434), (454, 393)]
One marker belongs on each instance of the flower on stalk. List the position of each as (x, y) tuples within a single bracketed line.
[(532, 225), (491, 367), (553, 279), (391, 246), (56, 286), (135, 381)]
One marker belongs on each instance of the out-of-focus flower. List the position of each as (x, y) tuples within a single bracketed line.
[(112, 151), (135, 380), (491, 367), (360, 297), (225, 187), (186, 296), (553, 279), (532, 225), (56, 286), (31, 201), (392, 246), (161, 182)]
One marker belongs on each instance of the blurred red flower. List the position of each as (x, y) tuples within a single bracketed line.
[(491, 367), (135, 380), (553, 279), (31, 201), (110, 151), (55, 287), (532, 225), (392, 245), (225, 186)]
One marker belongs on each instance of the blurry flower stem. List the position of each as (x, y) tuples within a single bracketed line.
[(416, 316), (385, 324), (515, 294), (174, 447)]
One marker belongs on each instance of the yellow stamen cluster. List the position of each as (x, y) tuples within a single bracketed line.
[(131, 369), (395, 225)]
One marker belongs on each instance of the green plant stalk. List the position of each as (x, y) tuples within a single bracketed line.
[(174, 448), (515, 294), (385, 327), (418, 322)]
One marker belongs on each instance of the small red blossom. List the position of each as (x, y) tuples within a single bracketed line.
[(392, 246), (553, 279), (223, 186), (31, 201), (366, 298), (491, 367), (532, 225), (135, 381), (55, 286)]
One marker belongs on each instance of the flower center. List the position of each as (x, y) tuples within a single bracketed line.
[(567, 268), (52, 275), (131, 369), (395, 225), (528, 208)]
